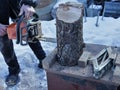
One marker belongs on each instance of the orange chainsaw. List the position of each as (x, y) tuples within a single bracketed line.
[(25, 31)]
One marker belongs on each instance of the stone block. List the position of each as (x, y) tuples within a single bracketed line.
[(116, 75), (83, 60), (50, 59)]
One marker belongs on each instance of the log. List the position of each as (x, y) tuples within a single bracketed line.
[(69, 26)]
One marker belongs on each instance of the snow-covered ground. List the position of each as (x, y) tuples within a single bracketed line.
[(33, 78)]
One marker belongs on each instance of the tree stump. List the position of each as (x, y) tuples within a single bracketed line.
[(69, 25)]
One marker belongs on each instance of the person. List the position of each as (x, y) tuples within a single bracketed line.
[(14, 8)]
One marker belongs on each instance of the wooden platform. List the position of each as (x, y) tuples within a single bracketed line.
[(79, 78)]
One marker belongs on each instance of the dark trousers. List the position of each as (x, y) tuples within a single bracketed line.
[(7, 50)]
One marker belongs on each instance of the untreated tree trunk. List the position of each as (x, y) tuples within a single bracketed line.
[(69, 25)]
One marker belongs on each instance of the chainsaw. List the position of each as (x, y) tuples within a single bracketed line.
[(32, 27), (25, 31)]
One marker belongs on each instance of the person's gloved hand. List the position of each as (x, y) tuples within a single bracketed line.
[(3, 29), (29, 10)]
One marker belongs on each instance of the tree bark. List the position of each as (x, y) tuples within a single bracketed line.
[(69, 25)]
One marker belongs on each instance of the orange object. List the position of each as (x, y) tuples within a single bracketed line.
[(11, 30)]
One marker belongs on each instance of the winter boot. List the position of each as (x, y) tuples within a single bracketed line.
[(12, 79), (40, 65)]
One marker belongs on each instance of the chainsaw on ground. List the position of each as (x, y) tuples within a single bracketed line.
[(25, 31)]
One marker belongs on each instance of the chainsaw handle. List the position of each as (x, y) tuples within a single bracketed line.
[(23, 36), (36, 17), (19, 20)]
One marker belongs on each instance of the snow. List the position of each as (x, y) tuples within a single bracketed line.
[(95, 6), (33, 78), (107, 33)]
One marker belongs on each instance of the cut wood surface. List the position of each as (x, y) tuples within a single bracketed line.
[(70, 12)]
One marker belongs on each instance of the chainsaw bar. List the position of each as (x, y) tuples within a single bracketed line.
[(48, 39)]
